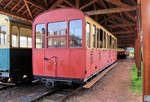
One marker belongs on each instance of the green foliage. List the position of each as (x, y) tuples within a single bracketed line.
[(132, 52), (136, 84)]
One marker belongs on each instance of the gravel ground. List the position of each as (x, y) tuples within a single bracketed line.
[(113, 87), (16, 93)]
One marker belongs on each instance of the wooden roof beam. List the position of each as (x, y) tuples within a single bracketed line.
[(112, 10), (69, 3), (8, 4), (28, 9), (126, 42), (35, 4), (125, 39), (58, 2), (120, 19), (120, 4), (14, 15), (62, 6), (46, 4), (1, 1), (20, 9), (130, 34), (77, 3), (24, 12), (130, 16), (124, 32), (117, 2), (122, 25), (16, 5), (125, 45), (88, 4), (101, 2)]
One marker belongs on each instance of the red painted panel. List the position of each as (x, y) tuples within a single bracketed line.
[(88, 63), (77, 63), (38, 62), (62, 69)]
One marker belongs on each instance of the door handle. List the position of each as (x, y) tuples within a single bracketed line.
[(46, 59)]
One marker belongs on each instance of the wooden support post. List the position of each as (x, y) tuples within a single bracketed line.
[(135, 51), (145, 11), (138, 28)]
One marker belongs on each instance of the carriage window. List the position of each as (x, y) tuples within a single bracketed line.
[(14, 40), (15, 33), (98, 38), (88, 35), (40, 35), (29, 42), (75, 33), (110, 41), (57, 35), (104, 39), (23, 41), (3, 35), (57, 28), (113, 43), (101, 38), (94, 31), (25, 37), (58, 42)]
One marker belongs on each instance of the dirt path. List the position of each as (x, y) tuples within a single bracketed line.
[(114, 87)]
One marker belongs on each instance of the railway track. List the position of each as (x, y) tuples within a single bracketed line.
[(5, 86), (62, 92), (8, 85)]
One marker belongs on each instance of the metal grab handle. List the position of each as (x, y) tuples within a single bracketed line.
[(47, 59)]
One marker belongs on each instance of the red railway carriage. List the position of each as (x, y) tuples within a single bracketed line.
[(122, 53), (70, 46)]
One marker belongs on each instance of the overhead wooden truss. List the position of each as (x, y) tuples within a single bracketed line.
[(115, 15)]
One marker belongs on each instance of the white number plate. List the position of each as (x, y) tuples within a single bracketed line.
[(5, 74)]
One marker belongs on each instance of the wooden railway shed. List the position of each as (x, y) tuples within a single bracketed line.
[(128, 20)]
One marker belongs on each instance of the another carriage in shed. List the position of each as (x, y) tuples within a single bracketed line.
[(15, 50)]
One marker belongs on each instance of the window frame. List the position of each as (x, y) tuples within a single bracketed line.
[(4, 35), (98, 37), (35, 36), (110, 41), (101, 37), (94, 42), (26, 41), (27, 36), (89, 35), (56, 36), (69, 32), (104, 39), (17, 36)]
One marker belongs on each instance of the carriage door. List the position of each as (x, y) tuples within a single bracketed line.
[(38, 52), (55, 51)]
